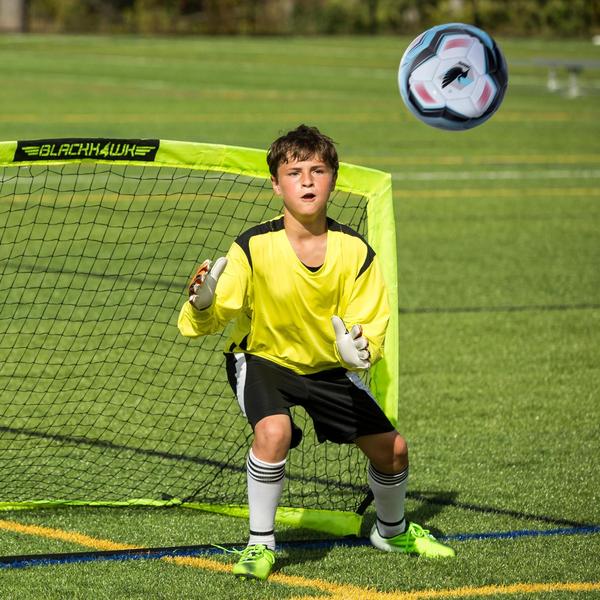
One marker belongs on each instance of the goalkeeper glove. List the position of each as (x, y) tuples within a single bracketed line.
[(352, 345), (203, 284)]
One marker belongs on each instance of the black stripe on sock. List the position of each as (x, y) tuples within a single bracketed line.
[(262, 533), (385, 479), (394, 524), (265, 473)]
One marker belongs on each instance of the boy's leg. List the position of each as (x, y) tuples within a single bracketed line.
[(265, 476), (388, 477), (266, 471), (258, 385)]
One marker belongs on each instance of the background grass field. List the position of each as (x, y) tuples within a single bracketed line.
[(499, 250)]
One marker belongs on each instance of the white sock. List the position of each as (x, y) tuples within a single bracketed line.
[(265, 484), (389, 492)]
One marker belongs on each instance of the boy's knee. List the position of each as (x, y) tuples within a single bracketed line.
[(393, 456), (400, 454), (272, 437)]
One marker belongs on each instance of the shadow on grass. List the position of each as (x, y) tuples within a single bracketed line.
[(434, 502)]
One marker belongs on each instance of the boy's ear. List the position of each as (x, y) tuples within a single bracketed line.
[(333, 182), (275, 185)]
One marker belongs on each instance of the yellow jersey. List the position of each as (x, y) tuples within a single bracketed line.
[(282, 309)]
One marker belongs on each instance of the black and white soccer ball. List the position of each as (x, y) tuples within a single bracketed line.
[(453, 76)]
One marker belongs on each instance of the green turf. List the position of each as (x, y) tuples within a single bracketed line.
[(499, 246)]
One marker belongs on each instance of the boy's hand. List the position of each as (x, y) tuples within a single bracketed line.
[(203, 284), (353, 346)]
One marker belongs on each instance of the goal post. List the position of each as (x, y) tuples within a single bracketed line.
[(101, 401)]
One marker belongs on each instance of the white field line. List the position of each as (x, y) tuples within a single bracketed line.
[(545, 174)]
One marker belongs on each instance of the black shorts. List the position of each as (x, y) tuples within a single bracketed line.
[(339, 404)]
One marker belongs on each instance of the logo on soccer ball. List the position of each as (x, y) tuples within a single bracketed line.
[(457, 76)]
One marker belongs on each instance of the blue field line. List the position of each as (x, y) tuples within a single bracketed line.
[(462, 537), (20, 562)]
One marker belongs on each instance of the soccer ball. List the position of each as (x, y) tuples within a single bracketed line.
[(453, 76)]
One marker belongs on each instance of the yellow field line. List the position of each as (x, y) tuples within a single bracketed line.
[(333, 591), (63, 536), (465, 592), (491, 192), (402, 159), (342, 117)]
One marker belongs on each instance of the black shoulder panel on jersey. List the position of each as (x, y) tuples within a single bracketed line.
[(368, 260), (243, 240), (335, 226)]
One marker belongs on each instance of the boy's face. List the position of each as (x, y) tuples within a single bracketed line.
[(305, 186)]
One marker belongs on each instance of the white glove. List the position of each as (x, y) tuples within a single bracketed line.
[(352, 346), (203, 285)]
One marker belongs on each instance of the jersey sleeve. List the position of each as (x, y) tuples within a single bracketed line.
[(369, 307), (230, 298)]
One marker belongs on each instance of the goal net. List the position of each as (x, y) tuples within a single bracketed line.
[(102, 402)]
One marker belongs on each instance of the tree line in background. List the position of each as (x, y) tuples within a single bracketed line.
[(551, 18)]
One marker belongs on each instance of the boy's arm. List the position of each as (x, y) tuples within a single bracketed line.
[(229, 299), (369, 308)]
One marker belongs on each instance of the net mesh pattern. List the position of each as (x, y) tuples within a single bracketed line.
[(101, 399)]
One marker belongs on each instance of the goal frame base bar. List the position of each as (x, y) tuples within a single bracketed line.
[(326, 521)]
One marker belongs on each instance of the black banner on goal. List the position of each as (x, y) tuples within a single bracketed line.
[(82, 148)]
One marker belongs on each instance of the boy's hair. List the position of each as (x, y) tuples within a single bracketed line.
[(302, 143)]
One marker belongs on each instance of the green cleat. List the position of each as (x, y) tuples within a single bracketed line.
[(415, 540), (255, 562)]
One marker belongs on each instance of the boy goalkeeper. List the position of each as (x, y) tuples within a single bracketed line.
[(294, 285)]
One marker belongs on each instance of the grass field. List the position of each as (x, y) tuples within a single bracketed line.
[(499, 255)]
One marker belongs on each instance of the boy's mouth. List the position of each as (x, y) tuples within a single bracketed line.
[(309, 196)]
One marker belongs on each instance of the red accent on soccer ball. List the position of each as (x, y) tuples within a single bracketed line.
[(457, 43), (422, 92), (485, 95)]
